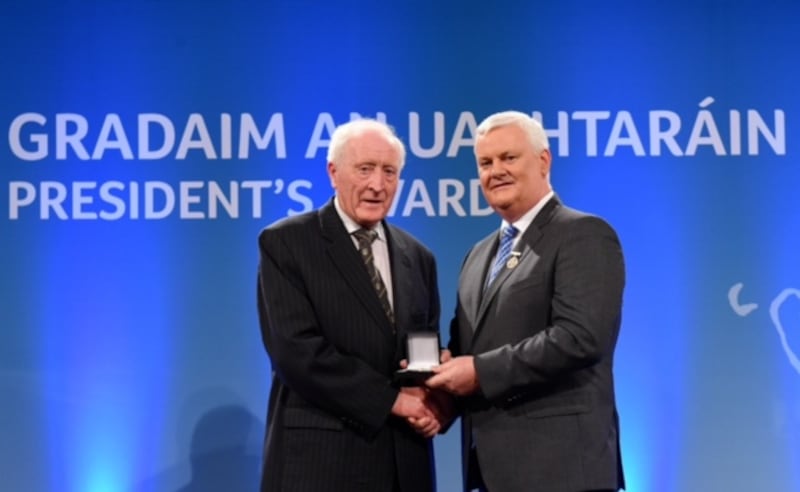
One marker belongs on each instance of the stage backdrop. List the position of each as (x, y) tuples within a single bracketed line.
[(146, 143)]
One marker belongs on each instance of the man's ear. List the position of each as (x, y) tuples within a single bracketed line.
[(546, 159), (332, 174)]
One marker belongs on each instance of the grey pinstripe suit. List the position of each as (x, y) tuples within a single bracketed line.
[(544, 335), (333, 353)]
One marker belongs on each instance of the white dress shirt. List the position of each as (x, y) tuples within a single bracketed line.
[(380, 249)]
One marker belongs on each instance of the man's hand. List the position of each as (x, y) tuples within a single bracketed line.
[(445, 356), (438, 411), (412, 406), (456, 376), (442, 404)]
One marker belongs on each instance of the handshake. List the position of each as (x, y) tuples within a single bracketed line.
[(429, 408)]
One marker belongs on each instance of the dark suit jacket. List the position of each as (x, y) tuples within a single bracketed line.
[(544, 335), (333, 353)]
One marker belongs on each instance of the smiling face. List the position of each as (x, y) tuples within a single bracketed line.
[(365, 177), (514, 174)]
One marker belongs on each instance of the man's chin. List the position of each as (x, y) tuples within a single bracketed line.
[(371, 217), (499, 204)]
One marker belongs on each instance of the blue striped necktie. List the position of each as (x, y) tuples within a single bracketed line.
[(507, 236)]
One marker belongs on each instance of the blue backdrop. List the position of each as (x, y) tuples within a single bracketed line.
[(147, 143)]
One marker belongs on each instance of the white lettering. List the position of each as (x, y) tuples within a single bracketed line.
[(414, 139), (74, 140), (591, 118), (112, 124), (196, 123), (624, 122), (448, 200), (39, 139), (466, 121), (186, 199), (249, 131), (418, 197), (756, 125), (20, 194), (167, 129), (667, 136), (79, 200), (324, 124)]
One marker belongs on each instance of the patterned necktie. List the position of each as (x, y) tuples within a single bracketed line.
[(365, 238), (503, 252)]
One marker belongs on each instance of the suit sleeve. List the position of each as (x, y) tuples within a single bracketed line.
[(341, 384), (588, 279), (434, 304), (455, 343)]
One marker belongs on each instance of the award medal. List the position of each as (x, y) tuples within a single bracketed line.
[(512, 262)]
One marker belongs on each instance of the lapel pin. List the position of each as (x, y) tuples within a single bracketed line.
[(513, 261)]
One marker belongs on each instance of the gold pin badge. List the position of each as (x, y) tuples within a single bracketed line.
[(513, 261)]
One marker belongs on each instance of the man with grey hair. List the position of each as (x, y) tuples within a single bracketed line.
[(338, 290), (536, 323)]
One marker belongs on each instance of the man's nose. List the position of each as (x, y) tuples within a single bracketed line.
[(376, 180), (497, 168)]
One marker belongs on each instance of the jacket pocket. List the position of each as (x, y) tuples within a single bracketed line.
[(551, 407), (553, 411)]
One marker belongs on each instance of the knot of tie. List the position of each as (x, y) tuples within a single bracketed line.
[(507, 236), (509, 232), (365, 237)]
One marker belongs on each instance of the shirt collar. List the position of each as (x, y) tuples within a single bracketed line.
[(527, 218), (352, 226)]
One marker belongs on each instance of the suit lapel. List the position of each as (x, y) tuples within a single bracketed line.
[(401, 278), (345, 257), (477, 268), (525, 256)]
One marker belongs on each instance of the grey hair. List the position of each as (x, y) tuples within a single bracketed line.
[(346, 131), (532, 128)]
